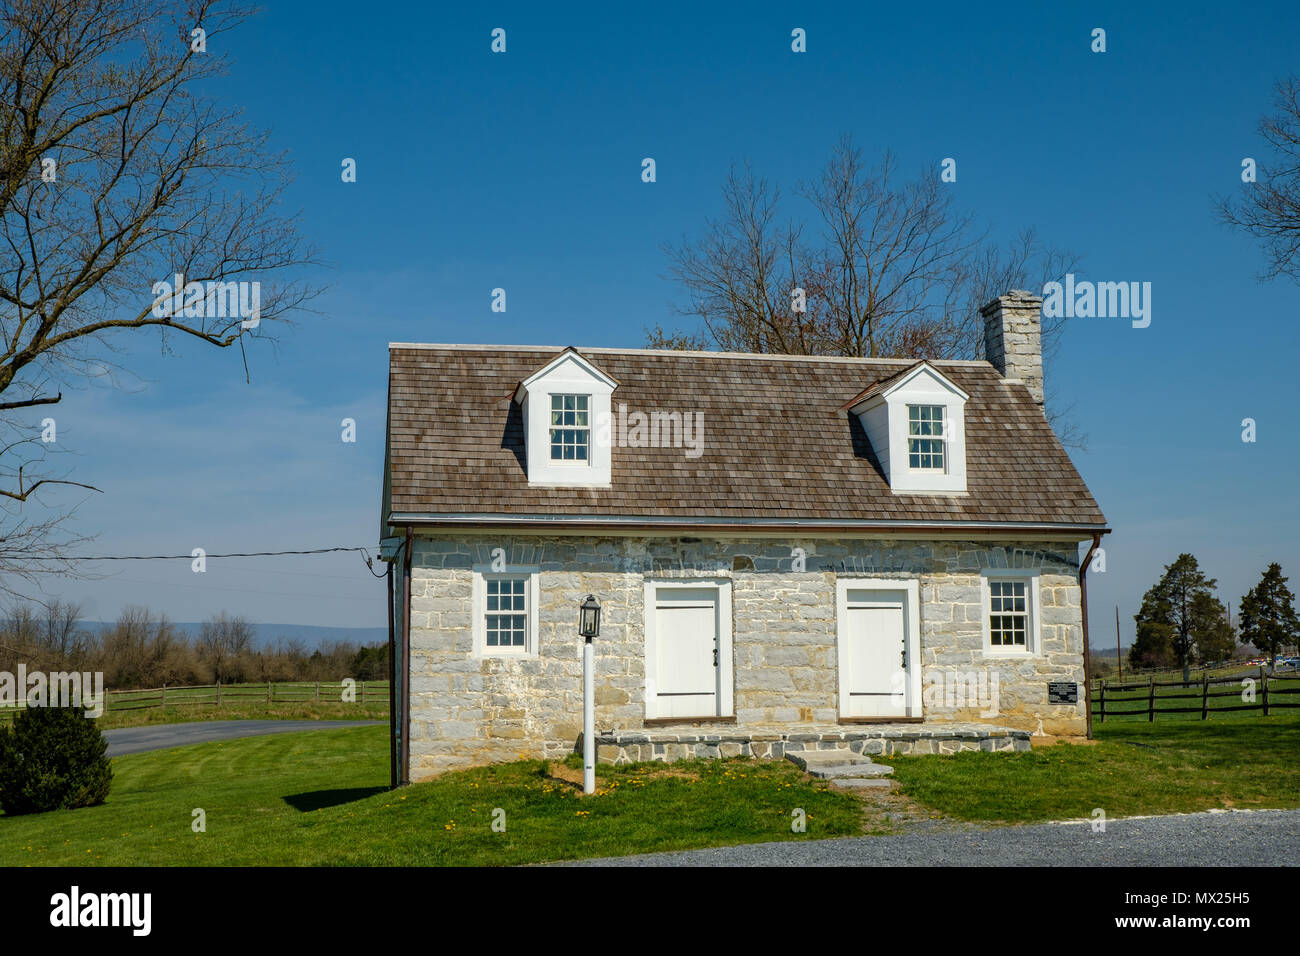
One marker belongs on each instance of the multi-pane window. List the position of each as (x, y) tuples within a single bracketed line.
[(570, 427), (1008, 614), (925, 437), (506, 613)]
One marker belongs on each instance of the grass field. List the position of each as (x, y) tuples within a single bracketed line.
[(1170, 766), (305, 710), (319, 798)]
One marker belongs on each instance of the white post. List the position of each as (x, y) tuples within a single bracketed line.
[(588, 721)]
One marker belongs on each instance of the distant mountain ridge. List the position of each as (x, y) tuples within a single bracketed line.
[(264, 635)]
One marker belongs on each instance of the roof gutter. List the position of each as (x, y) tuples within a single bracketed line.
[(392, 684), (404, 762), (739, 524), (1087, 645)]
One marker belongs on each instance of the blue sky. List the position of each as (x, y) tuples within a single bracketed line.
[(522, 171)]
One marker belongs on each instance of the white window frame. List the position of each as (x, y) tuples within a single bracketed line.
[(911, 622), (726, 654), (941, 438), (587, 428), (1033, 611), (482, 574)]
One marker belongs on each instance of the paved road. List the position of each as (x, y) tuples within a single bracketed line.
[(1255, 838), (136, 740)]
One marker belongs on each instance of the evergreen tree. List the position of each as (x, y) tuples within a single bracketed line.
[(1175, 616), (1268, 618), (1216, 638)]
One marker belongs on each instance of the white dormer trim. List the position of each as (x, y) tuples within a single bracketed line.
[(884, 418), (567, 374), (556, 366)]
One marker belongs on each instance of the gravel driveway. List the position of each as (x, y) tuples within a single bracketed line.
[(137, 740), (1216, 838)]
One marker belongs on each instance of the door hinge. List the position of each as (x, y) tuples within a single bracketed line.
[(715, 655)]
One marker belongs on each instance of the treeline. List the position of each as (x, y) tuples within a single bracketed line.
[(1182, 623), (144, 649)]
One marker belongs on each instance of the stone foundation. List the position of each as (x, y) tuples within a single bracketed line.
[(881, 739)]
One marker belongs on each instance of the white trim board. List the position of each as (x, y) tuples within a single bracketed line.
[(478, 603), (911, 589), (1033, 630), (726, 667)]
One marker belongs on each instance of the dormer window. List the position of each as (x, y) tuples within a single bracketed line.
[(925, 437), (570, 428), (915, 421), (565, 406)]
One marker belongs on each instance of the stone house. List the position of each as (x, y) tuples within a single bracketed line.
[(871, 553)]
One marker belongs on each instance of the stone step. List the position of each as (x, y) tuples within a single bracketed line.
[(837, 764), (846, 771), (883, 783), (840, 757)]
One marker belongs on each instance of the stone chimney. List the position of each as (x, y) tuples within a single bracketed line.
[(1013, 343)]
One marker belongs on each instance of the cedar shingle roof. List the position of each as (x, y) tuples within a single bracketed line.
[(778, 443)]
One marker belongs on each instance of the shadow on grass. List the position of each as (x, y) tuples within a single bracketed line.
[(319, 799)]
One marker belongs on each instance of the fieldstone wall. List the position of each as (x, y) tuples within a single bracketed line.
[(1013, 338), (467, 710)]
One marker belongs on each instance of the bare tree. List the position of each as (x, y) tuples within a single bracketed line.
[(61, 630), (1268, 209), (224, 643), (890, 251), (884, 267), (894, 269), (118, 173)]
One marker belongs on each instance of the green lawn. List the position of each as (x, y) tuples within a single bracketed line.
[(318, 798), (1168, 766)]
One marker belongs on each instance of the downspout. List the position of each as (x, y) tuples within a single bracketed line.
[(406, 662), (1087, 649), (392, 685)]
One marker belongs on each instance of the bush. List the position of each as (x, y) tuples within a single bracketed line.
[(52, 758)]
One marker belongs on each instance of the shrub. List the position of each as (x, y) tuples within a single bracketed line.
[(52, 758)]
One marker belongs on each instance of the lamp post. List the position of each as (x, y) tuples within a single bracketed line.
[(588, 627)]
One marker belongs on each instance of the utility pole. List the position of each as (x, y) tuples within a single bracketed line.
[(1119, 656)]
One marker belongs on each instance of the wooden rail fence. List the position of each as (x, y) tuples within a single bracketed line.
[(1268, 687), (220, 695)]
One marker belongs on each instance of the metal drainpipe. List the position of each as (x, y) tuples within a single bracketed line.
[(1087, 650), (392, 686), (406, 662)]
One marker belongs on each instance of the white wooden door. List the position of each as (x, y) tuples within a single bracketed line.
[(876, 655), (686, 652)]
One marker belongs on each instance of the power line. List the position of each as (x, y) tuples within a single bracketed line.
[(365, 556), (186, 557)]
